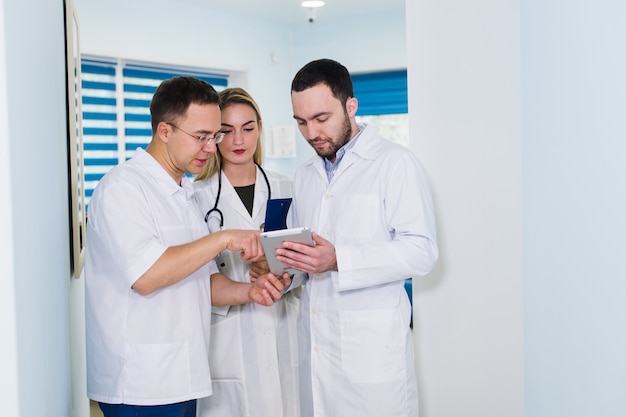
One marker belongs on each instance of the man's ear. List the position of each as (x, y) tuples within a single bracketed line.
[(163, 131), (352, 104)]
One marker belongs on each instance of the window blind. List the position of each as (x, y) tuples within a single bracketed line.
[(381, 92), (115, 101)]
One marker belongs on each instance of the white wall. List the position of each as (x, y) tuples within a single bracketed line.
[(465, 124), (574, 152), (9, 394), (35, 256), (362, 44), (518, 114)]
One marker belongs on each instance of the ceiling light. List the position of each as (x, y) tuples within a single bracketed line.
[(312, 3)]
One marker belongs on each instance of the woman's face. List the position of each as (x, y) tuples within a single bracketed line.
[(242, 132)]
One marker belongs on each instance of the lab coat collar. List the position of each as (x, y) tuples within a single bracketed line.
[(369, 144), (161, 176)]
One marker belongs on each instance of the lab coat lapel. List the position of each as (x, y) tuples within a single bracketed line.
[(234, 202), (344, 165), (260, 198), (364, 148), (318, 164)]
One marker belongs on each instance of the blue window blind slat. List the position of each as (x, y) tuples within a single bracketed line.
[(98, 85), (164, 74), (95, 67), (380, 76), (131, 146), (136, 103), (132, 117), (382, 86), (138, 132), (95, 146), (135, 88), (99, 101), (93, 177), (100, 162), (381, 92), (87, 115), (389, 96), (99, 131)]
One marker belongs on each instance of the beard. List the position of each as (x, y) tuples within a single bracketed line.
[(335, 143)]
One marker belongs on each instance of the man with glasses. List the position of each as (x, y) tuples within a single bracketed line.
[(149, 275), (369, 203)]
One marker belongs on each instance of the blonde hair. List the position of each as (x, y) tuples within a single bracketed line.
[(228, 97)]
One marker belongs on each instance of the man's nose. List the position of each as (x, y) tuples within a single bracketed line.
[(309, 131), (209, 146)]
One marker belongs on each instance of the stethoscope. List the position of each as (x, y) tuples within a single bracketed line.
[(219, 191)]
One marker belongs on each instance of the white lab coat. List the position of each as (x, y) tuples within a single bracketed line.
[(253, 348), (144, 350), (355, 346)]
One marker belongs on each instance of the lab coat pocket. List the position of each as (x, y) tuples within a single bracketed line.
[(372, 345), (225, 350), (362, 216), (160, 370)]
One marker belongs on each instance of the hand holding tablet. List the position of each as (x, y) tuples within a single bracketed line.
[(274, 239)]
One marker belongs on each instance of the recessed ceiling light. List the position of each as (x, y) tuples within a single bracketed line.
[(312, 3)]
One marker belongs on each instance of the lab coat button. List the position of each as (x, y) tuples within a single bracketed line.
[(316, 348), (314, 310)]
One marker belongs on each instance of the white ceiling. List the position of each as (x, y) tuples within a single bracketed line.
[(290, 11)]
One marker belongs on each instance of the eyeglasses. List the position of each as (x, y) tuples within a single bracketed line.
[(202, 139)]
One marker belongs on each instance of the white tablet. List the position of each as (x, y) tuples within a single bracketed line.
[(274, 239)]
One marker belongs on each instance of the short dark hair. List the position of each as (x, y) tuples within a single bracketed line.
[(172, 98), (325, 71)]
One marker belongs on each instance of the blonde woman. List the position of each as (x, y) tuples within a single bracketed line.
[(253, 350)]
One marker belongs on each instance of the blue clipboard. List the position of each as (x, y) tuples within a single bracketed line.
[(276, 214)]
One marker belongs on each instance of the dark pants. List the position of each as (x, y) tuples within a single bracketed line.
[(184, 409)]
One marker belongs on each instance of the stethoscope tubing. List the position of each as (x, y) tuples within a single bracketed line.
[(219, 192)]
